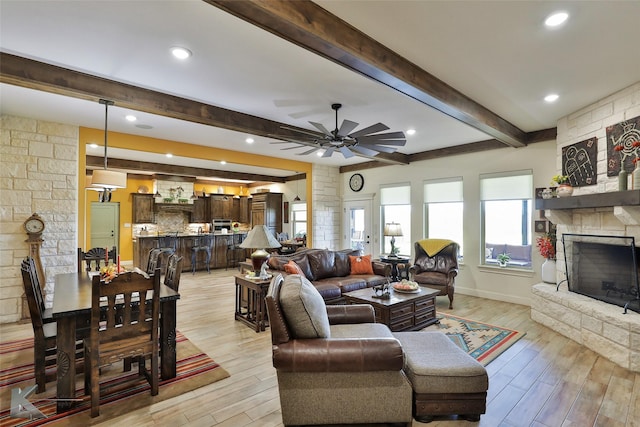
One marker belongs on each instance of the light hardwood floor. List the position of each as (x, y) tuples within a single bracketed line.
[(544, 379)]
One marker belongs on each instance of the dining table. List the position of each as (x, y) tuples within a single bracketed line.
[(72, 311)]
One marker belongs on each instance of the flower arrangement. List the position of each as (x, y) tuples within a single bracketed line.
[(547, 245), (560, 180)]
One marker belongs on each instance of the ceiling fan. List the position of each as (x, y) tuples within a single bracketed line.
[(368, 141)]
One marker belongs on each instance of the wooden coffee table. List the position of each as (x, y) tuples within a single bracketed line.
[(401, 311)]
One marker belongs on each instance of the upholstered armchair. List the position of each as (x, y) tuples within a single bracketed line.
[(333, 363), (436, 265)]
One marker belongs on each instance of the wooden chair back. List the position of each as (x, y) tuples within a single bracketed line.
[(34, 296), (125, 316), (152, 260), (95, 258), (173, 271)]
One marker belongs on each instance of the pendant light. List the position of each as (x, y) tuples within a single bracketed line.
[(108, 179), (297, 198)]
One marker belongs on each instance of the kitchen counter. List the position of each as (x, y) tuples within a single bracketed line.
[(142, 244)]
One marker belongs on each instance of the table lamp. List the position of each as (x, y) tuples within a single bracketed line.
[(393, 229), (259, 238)]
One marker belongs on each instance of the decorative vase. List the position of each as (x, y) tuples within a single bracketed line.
[(549, 271), (636, 177), (547, 193), (622, 180), (564, 190)]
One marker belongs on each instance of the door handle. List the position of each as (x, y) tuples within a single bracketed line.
[(112, 234)]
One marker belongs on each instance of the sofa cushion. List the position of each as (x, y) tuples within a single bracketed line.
[(292, 268), (519, 252), (304, 308), (321, 263), (361, 264), (342, 267), (345, 284)]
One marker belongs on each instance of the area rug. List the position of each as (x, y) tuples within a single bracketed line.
[(484, 342), (121, 392)]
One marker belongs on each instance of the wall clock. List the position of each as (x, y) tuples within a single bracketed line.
[(34, 226), (356, 182)]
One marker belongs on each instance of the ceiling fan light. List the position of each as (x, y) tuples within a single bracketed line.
[(109, 179)]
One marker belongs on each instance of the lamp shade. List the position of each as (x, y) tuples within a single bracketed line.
[(89, 186), (392, 229), (109, 179), (259, 238)]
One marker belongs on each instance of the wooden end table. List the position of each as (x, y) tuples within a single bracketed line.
[(401, 311), (250, 306), (395, 261)]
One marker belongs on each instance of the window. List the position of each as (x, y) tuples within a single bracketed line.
[(299, 219), (506, 217), (443, 209), (396, 207)]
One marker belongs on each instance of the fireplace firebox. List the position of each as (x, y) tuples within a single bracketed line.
[(604, 268)]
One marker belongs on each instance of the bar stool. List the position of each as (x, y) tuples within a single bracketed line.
[(167, 245), (234, 255), (202, 243)]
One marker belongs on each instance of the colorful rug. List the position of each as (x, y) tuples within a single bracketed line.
[(484, 342), (194, 370)]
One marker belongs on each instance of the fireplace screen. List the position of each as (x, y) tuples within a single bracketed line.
[(603, 267)]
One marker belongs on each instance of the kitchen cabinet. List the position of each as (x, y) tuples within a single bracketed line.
[(142, 208), (244, 211), (266, 209), (221, 206), (200, 211)]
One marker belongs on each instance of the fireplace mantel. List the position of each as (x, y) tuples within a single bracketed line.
[(625, 206)]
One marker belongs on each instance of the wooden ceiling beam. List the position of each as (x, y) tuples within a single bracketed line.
[(311, 27)]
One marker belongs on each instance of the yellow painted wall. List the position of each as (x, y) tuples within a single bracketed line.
[(154, 145)]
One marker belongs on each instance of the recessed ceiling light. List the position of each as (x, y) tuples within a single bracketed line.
[(249, 140), (556, 18), (94, 145), (320, 153), (169, 155), (411, 132), (222, 162), (180, 52), (131, 118), (552, 97)]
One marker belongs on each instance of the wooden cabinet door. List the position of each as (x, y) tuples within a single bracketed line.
[(220, 249), (142, 208), (243, 213), (199, 213)]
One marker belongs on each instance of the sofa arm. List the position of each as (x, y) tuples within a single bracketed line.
[(381, 268), (339, 355), (345, 314)]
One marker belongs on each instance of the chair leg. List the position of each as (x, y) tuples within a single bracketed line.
[(39, 365), (95, 386), (193, 261), (450, 294), (209, 262), (155, 373)]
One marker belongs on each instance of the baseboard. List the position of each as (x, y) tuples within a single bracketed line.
[(493, 296)]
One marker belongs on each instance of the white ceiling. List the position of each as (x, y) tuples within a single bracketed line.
[(498, 53)]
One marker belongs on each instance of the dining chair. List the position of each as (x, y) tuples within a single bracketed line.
[(92, 259), (201, 243), (44, 327), (131, 302), (152, 260), (172, 273)]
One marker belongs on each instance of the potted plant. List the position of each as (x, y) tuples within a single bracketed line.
[(503, 259), (564, 185)]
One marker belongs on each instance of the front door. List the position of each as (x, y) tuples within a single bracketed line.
[(357, 225), (105, 225)]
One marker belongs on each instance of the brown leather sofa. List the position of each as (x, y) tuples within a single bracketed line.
[(330, 271), (438, 268), (334, 364)]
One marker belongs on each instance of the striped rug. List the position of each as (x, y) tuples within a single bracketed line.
[(121, 392), (484, 342)]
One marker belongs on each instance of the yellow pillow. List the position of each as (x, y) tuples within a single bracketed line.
[(361, 264)]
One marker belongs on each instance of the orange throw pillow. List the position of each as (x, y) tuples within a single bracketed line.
[(361, 264), (292, 268)]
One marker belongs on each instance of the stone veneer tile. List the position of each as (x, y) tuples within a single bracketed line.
[(591, 324), (617, 335), (606, 348)]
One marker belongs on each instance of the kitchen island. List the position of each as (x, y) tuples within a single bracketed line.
[(142, 244)]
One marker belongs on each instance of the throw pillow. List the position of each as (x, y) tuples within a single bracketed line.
[(304, 308), (361, 264), (292, 268)]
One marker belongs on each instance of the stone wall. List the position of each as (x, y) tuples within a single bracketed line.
[(38, 173), (326, 207)]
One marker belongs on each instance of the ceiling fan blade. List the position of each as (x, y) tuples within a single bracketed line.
[(328, 152), (308, 152), (379, 148), (321, 128), (346, 152), (346, 127), (312, 134), (365, 150), (373, 140), (291, 148), (378, 127)]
